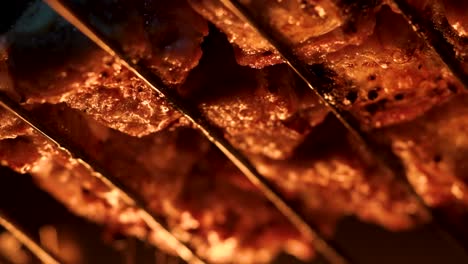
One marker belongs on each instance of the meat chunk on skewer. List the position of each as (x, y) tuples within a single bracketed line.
[(331, 175), (52, 62), (386, 77), (261, 111), (444, 24), (434, 150), (312, 27), (391, 77)]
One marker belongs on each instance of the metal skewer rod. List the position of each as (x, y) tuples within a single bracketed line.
[(29, 242)]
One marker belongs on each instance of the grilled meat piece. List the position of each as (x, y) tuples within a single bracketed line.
[(330, 175), (52, 62), (204, 199), (164, 35), (449, 21), (248, 104), (180, 175), (456, 15), (312, 27), (11, 127), (445, 12), (391, 77), (383, 78), (267, 111), (434, 150)]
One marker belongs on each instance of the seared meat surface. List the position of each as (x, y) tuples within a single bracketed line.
[(388, 75), (331, 169), (203, 198), (164, 35), (62, 65), (448, 17), (267, 111), (312, 27), (391, 77), (201, 195), (434, 149), (365, 56)]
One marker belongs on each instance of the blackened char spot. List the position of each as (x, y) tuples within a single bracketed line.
[(354, 11), (399, 96), (452, 88), (297, 123), (372, 94), (377, 106), (85, 191), (267, 53), (352, 96), (324, 77), (104, 74)]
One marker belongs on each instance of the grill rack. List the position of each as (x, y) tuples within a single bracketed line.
[(431, 36)]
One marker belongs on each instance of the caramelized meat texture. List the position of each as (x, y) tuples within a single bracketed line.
[(11, 127), (311, 27), (204, 200), (264, 111), (180, 176), (387, 75), (52, 62), (330, 176), (164, 35), (448, 18), (391, 77), (364, 55), (434, 150), (267, 111)]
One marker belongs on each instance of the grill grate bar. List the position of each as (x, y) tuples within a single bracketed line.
[(27, 240), (212, 133), (381, 155), (430, 31), (129, 197)]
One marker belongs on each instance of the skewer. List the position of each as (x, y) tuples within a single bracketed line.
[(41, 253), (129, 197), (387, 159), (194, 115), (429, 31)]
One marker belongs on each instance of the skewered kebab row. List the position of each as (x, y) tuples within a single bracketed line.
[(203, 198), (378, 87), (103, 89), (201, 195), (268, 114), (315, 28), (388, 76)]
